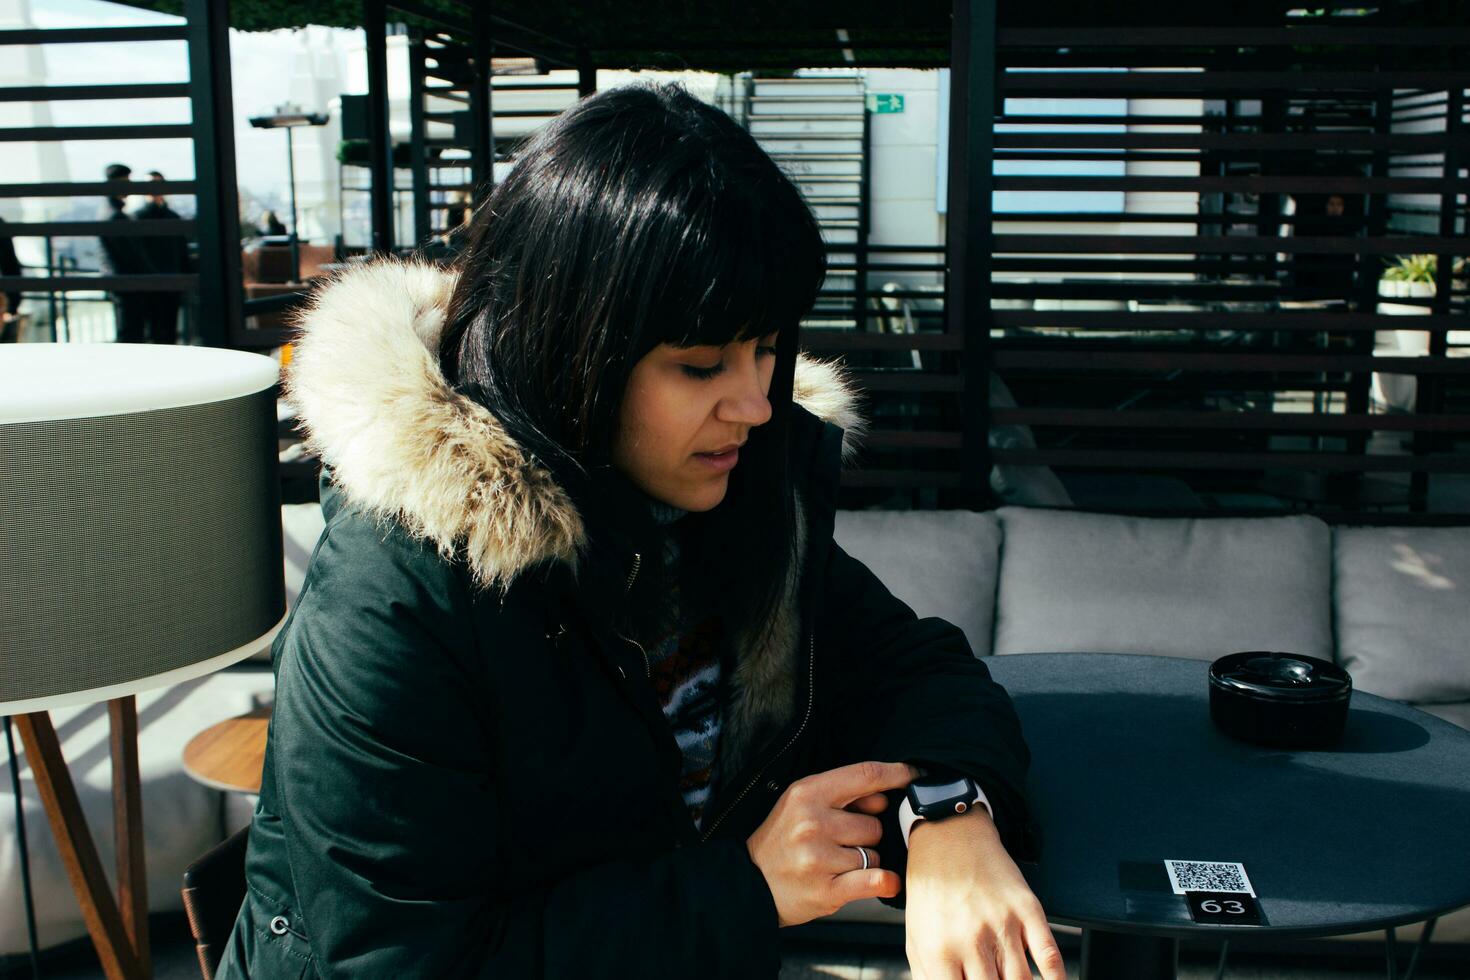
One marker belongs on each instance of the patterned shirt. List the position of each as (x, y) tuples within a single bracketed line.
[(685, 668)]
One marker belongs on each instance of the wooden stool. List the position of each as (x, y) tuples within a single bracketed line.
[(230, 756)]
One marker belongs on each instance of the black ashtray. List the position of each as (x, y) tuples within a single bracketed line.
[(1283, 700)]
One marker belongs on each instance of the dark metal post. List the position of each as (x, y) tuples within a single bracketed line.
[(860, 256), (217, 199), (380, 139), (482, 109), (295, 232), (972, 91), (586, 73), (51, 309), (1365, 288), (417, 134), (1429, 389), (1268, 205)]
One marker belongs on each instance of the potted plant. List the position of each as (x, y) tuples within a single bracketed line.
[(1407, 277)]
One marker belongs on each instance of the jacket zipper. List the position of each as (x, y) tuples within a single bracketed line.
[(647, 668), (632, 574), (810, 698)]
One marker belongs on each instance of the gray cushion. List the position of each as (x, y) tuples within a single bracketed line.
[(940, 562), (1167, 586), (1403, 628)]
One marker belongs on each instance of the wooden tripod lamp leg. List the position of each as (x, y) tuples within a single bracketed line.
[(78, 852), (127, 824)]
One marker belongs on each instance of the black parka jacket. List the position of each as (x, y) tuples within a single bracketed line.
[(465, 778)]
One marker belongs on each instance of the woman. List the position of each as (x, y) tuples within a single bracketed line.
[(578, 684)]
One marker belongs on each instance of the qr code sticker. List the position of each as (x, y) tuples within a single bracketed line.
[(1208, 876)]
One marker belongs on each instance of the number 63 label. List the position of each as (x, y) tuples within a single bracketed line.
[(1223, 908)]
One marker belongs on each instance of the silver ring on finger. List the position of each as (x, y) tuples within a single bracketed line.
[(864, 852)]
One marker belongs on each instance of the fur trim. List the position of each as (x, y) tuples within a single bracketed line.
[(402, 444), (364, 380), (822, 388)]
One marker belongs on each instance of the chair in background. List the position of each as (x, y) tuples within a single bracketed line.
[(214, 889)]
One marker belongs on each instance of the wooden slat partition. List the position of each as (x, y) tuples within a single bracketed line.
[(215, 288), (1186, 291)]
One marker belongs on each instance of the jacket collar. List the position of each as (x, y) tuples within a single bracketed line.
[(403, 445)]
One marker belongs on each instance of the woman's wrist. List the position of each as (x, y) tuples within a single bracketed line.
[(975, 825)]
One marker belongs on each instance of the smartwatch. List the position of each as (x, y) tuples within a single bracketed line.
[(937, 797)]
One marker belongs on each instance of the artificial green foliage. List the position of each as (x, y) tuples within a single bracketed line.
[(1411, 268), (1422, 268)]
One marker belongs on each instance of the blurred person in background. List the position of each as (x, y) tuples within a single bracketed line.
[(123, 255), (168, 255)]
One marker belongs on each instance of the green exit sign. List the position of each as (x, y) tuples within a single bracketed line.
[(881, 102)]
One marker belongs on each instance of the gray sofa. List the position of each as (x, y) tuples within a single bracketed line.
[(1388, 603)]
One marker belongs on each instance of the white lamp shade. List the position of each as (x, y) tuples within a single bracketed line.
[(140, 538)]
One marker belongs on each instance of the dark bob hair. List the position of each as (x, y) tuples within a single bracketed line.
[(640, 216)]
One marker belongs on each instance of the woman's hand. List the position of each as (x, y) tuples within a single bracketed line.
[(807, 845), (969, 913)]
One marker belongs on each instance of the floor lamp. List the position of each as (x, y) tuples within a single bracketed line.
[(142, 547), (288, 117)]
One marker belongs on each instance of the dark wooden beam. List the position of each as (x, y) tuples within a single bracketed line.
[(103, 188), (220, 279), (1114, 459), (93, 35), (153, 228), (92, 93), (380, 138), (972, 108), (58, 134)]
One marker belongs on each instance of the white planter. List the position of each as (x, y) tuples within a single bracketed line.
[(1396, 392)]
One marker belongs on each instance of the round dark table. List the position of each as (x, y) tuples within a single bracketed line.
[(1128, 771)]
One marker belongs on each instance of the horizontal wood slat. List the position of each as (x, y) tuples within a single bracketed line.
[(905, 479), (1254, 421), (851, 340), (1169, 83), (98, 188), (152, 228), (1314, 321), (58, 134), (59, 93), (117, 284), (1228, 244), (1376, 35), (1334, 462), (1240, 185), (93, 35), (1223, 361), (1255, 142)]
